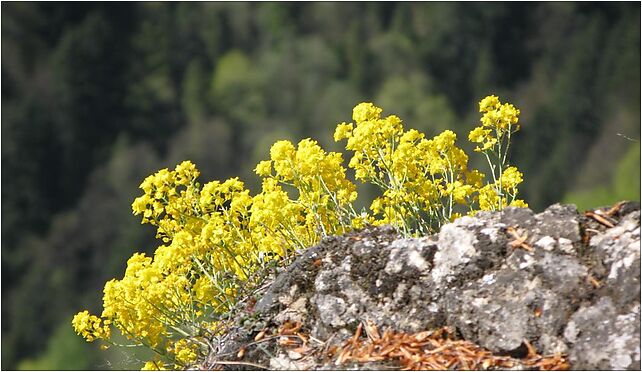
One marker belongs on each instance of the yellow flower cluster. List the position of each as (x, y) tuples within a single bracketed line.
[(186, 352), (216, 236), (324, 194), (496, 114), (169, 198), (422, 180), (164, 298), (499, 122), (90, 326), (154, 365)]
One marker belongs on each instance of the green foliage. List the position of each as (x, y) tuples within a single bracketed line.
[(64, 351), (625, 185), (194, 90), (235, 87)]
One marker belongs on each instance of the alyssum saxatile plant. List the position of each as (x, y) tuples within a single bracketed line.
[(217, 236)]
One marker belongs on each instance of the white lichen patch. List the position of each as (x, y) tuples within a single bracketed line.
[(415, 259), (628, 228), (621, 343), (287, 363), (346, 264), (547, 243), (406, 252), (571, 332), (286, 299), (566, 245), (400, 292), (488, 279), (393, 266), (553, 345), (618, 343), (468, 221), (323, 281), (282, 362), (293, 290), (621, 245), (528, 261), (331, 309), (491, 232), (456, 247), (632, 255), (533, 284)]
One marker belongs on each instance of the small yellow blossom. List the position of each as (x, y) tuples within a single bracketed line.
[(90, 326), (519, 203), (185, 351), (479, 135), (488, 103), (365, 111), (264, 168), (344, 130), (510, 178), (154, 366)]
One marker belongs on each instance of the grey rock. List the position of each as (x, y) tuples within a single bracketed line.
[(618, 249), (565, 295), (602, 338), (559, 221)]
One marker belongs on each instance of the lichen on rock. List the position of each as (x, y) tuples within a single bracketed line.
[(557, 280)]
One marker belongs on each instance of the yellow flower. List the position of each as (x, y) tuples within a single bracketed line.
[(519, 203), (282, 154), (478, 135), (460, 192), (475, 178), (185, 173), (140, 204), (445, 140), (147, 184), (344, 130), (489, 144), (411, 135), (154, 366), (376, 205), (365, 111), (511, 177), (282, 150), (509, 115), (488, 103), (90, 326), (264, 168), (502, 117), (488, 198), (186, 352)]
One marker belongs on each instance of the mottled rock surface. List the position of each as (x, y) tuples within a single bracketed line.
[(571, 287)]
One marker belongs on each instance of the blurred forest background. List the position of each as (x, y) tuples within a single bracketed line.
[(95, 97)]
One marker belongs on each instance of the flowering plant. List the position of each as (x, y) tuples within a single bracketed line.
[(217, 236)]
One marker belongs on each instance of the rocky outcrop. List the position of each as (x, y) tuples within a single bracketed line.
[(559, 281)]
